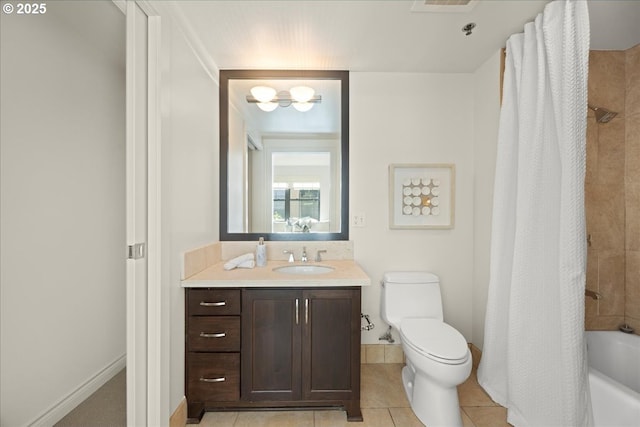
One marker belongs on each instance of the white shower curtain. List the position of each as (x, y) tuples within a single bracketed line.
[(534, 358)]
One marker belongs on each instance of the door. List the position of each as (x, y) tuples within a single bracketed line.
[(271, 344), (331, 344), (142, 172)]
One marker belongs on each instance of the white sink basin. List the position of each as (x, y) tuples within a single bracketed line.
[(304, 269)]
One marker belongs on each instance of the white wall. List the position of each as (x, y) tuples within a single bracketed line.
[(62, 203), (190, 144), (412, 118), (486, 117)]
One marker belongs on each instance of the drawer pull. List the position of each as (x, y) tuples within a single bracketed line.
[(213, 304), (213, 380), (215, 335)]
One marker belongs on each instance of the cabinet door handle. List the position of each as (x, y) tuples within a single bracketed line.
[(213, 304), (214, 335), (306, 310), (213, 380), (297, 312)]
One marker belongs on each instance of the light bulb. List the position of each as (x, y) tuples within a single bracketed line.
[(302, 93), (303, 106), (267, 106), (263, 93)]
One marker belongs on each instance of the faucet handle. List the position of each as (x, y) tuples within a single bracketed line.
[(320, 251), (290, 252)]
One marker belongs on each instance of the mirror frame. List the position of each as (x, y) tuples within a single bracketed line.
[(343, 77)]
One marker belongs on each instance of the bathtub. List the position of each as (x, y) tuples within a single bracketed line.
[(614, 378)]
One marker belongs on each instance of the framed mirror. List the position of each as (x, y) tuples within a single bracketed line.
[(284, 155)]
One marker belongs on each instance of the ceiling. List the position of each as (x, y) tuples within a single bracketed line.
[(376, 35)]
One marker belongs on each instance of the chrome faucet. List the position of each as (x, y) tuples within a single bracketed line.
[(291, 259), (304, 254), (318, 254)]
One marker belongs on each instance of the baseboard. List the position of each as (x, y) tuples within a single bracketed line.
[(56, 412), (476, 355), (179, 416), (381, 353)]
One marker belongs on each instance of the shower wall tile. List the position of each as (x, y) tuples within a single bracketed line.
[(611, 152), (592, 269), (632, 71), (607, 80), (590, 308), (591, 305), (632, 188), (591, 176), (611, 277), (632, 148), (632, 302), (603, 323), (612, 205), (605, 216), (632, 200)]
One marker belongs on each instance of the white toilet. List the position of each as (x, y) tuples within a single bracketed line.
[(437, 355)]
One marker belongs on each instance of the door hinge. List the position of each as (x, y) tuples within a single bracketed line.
[(136, 251)]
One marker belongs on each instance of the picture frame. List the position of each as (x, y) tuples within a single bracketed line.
[(421, 196)]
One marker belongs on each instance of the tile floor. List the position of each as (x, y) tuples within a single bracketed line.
[(383, 404)]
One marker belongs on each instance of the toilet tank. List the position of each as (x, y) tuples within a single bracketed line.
[(410, 294)]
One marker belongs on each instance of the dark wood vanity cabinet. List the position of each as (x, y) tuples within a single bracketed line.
[(212, 359), (300, 344), (272, 343), (331, 346), (300, 347)]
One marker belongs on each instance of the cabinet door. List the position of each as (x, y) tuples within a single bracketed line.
[(331, 344), (271, 344)]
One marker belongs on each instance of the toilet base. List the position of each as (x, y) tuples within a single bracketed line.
[(434, 405)]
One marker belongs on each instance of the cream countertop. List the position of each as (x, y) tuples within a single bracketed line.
[(345, 273)]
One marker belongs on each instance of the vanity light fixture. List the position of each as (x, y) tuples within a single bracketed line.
[(303, 106), (267, 99), (267, 106), (302, 93), (263, 93)]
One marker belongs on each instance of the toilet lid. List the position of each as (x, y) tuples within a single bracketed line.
[(435, 339)]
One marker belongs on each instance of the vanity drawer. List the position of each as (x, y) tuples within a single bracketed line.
[(214, 333), (213, 302), (213, 377)]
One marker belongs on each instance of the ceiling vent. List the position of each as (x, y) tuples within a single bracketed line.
[(443, 6)]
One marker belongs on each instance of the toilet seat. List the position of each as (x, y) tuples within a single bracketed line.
[(435, 339)]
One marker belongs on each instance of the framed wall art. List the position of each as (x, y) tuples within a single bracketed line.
[(421, 196)]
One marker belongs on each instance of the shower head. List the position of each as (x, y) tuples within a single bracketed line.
[(603, 115)]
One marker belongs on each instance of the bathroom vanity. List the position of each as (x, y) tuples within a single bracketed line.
[(261, 338)]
